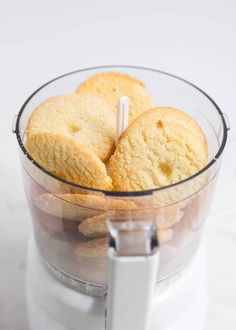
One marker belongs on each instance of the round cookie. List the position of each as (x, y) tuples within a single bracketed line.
[(79, 206), (69, 206), (67, 159), (84, 117), (112, 85), (168, 216), (96, 227), (98, 247), (161, 147)]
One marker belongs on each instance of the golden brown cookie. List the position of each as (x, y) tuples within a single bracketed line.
[(98, 247), (168, 216), (112, 85), (79, 206), (180, 195), (161, 147), (66, 158), (151, 208), (96, 226), (84, 117), (93, 249)]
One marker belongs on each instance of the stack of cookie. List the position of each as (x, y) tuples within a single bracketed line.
[(73, 137)]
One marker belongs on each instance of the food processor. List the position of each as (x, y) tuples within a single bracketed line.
[(148, 270)]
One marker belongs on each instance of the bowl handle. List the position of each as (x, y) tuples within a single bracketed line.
[(133, 260)]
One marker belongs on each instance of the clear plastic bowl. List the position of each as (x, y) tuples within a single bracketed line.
[(58, 207)]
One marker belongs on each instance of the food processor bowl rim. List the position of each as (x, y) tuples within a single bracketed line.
[(116, 193)]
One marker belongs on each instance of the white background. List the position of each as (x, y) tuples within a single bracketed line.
[(43, 39)]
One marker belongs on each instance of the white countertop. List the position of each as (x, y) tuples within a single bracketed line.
[(195, 40)]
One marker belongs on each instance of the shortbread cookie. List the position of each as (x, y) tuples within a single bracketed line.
[(112, 85), (168, 216), (67, 159), (84, 117), (98, 247), (161, 147), (180, 194), (165, 216), (96, 226), (78, 206)]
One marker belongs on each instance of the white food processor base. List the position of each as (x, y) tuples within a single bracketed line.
[(51, 305)]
